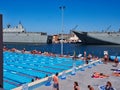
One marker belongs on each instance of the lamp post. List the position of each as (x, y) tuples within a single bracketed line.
[(62, 9)]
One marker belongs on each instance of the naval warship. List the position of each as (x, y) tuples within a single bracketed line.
[(18, 34), (99, 38)]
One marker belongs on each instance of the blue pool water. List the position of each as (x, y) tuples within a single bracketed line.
[(21, 68)]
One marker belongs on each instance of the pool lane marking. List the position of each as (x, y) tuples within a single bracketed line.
[(46, 72), (38, 70), (49, 67), (55, 64), (63, 65), (19, 73), (13, 83), (12, 80), (54, 68)]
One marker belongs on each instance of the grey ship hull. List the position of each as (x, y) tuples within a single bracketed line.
[(100, 38), (25, 37)]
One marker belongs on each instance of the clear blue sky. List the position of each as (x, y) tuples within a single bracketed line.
[(45, 15)]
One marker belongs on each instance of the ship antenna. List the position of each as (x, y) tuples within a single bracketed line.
[(8, 26), (19, 22)]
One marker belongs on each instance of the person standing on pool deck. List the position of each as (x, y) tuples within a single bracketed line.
[(106, 58), (56, 82), (116, 61), (90, 87), (76, 86)]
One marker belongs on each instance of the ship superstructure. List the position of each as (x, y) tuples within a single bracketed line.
[(18, 28)]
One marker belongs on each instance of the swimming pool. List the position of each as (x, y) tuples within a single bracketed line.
[(21, 68)]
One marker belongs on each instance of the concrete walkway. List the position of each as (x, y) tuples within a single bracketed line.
[(84, 78)]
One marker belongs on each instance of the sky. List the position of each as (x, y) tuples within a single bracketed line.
[(46, 16)]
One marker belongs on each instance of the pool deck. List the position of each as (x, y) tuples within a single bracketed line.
[(84, 78)]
